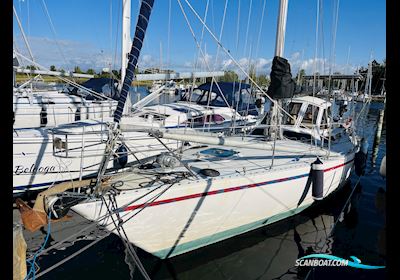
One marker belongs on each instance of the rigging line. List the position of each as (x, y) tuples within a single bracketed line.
[(230, 56), (261, 24), (233, 59), (322, 38), (93, 224), (202, 35), (91, 92), (23, 33), (331, 66), (125, 240), (169, 34), (212, 14), (251, 68), (348, 60), (117, 34), (215, 65), (71, 256), (248, 25), (315, 59), (220, 33), (29, 25), (147, 204), (334, 32), (132, 250), (53, 30), (111, 44), (198, 55), (201, 51), (22, 62), (237, 27)]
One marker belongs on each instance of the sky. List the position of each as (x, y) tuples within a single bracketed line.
[(87, 33)]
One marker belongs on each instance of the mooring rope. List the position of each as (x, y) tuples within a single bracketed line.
[(33, 261)]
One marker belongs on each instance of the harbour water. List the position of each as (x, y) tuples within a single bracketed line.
[(266, 253)]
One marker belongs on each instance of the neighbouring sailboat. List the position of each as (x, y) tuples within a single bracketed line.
[(79, 118)]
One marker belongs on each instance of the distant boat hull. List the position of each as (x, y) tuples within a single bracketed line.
[(37, 166)]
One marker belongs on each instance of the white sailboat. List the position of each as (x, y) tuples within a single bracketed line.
[(34, 107), (223, 187), (236, 188)]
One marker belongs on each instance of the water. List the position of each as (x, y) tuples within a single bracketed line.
[(269, 252), (137, 93)]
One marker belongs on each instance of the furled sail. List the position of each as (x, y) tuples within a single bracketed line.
[(282, 84), (141, 26)]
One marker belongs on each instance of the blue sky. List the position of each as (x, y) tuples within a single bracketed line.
[(88, 34)]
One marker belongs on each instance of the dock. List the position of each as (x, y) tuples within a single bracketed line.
[(62, 238)]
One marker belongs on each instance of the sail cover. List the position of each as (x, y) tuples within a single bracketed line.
[(282, 84), (140, 32)]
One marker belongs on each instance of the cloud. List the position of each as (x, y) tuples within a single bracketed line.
[(68, 53), (65, 54), (320, 65)]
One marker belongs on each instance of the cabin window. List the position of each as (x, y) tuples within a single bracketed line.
[(310, 116), (216, 118), (43, 117), (206, 97), (294, 109), (191, 96), (78, 114), (155, 117), (325, 118), (218, 101), (246, 96), (196, 120)]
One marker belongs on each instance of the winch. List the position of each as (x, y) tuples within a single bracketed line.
[(165, 160)]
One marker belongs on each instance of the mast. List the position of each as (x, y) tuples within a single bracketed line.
[(125, 46), (126, 36), (281, 28), (141, 26), (137, 44), (279, 66)]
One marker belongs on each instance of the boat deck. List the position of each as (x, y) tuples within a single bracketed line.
[(211, 161)]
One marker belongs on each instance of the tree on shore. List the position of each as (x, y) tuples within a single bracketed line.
[(91, 71), (229, 76), (53, 68), (300, 75), (77, 69), (263, 80), (378, 75)]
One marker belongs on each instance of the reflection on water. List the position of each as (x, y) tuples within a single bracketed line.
[(271, 252)]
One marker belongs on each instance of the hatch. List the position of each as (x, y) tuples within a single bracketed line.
[(217, 152)]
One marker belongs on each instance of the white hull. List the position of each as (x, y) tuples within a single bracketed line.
[(193, 214), (35, 167), (52, 108)]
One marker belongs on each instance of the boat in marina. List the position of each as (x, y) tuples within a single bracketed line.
[(215, 186), (79, 114), (46, 109), (366, 96), (40, 160), (211, 106), (219, 192)]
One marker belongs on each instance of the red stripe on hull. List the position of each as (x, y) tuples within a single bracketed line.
[(186, 197)]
